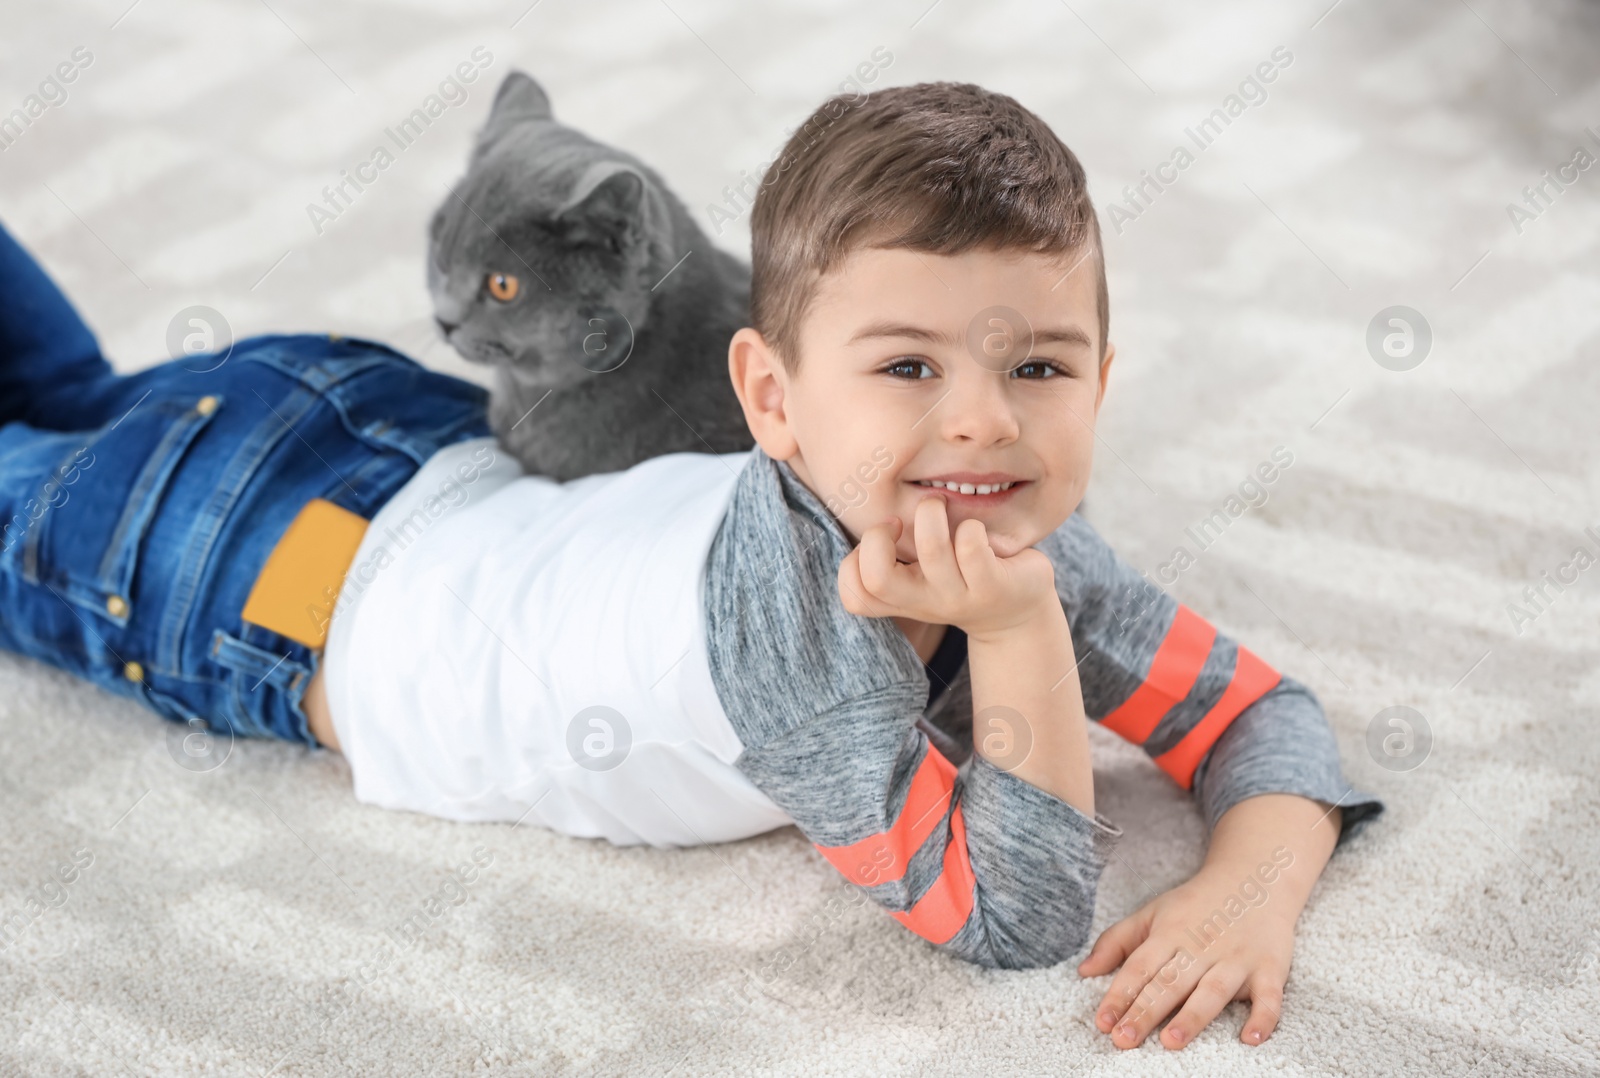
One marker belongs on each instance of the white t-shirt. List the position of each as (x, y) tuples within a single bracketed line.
[(510, 647)]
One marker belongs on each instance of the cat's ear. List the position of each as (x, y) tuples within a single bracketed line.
[(604, 205), (519, 98)]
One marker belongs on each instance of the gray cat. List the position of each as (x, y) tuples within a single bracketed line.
[(605, 311)]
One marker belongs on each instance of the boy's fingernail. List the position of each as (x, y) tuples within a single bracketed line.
[(1126, 1031), (1255, 1035), (1103, 1019)]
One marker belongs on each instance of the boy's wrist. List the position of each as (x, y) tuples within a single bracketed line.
[(1027, 708), (1022, 624), (1287, 837)]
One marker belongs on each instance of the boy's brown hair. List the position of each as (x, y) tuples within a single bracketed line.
[(939, 167)]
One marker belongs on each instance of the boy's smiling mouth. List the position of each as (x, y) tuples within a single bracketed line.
[(973, 488)]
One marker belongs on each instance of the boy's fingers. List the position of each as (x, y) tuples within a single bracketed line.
[(1139, 988), (851, 589), (1266, 1007), (875, 561), (974, 556), (1214, 991), (935, 555), (1114, 945)]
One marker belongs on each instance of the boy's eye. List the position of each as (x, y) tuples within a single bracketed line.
[(911, 364), (1038, 369)]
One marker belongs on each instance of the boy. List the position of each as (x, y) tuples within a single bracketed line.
[(705, 647)]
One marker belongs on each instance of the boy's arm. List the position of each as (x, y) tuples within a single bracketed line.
[(1256, 750), (982, 864), (1249, 833), (1213, 715), (999, 867), (1281, 744)]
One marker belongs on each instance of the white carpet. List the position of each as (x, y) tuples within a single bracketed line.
[(227, 918)]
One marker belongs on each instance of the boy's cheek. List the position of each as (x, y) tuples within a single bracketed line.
[(855, 522)]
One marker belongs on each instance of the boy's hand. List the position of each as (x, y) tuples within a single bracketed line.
[(1171, 953), (961, 583)]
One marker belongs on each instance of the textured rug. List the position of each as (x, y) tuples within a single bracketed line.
[(255, 919)]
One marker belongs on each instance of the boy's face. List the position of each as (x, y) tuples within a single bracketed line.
[(917, 367)]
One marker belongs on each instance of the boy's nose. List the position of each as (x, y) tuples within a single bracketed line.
[(979, 410)]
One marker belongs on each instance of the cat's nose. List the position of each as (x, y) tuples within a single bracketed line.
[(446, 327)]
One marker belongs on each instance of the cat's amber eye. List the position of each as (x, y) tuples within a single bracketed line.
[(503, 287)]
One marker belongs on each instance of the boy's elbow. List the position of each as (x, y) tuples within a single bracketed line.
[(994, 941), (1012, 955), (1061, 946)]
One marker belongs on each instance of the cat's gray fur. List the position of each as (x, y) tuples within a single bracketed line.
[(590, 232)]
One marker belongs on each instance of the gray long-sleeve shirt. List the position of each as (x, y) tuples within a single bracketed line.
[(832, 711)]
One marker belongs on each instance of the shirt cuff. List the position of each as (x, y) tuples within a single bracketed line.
[(1281, 744)]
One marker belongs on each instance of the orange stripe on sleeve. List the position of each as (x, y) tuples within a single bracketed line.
[(1252, 679), (938, 915), (884, 857), (1173, 672)]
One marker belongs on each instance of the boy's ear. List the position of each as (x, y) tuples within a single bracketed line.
[(761, 384), (1105, 374)]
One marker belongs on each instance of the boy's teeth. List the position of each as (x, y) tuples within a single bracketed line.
[(967, 488)]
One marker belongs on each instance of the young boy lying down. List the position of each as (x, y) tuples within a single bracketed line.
[(886, 625)]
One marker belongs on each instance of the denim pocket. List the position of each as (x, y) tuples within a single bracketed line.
[(102, 497), (255, 673), (384, 399), (405, 408)]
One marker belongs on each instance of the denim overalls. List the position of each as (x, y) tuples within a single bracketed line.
[(136, 510)]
